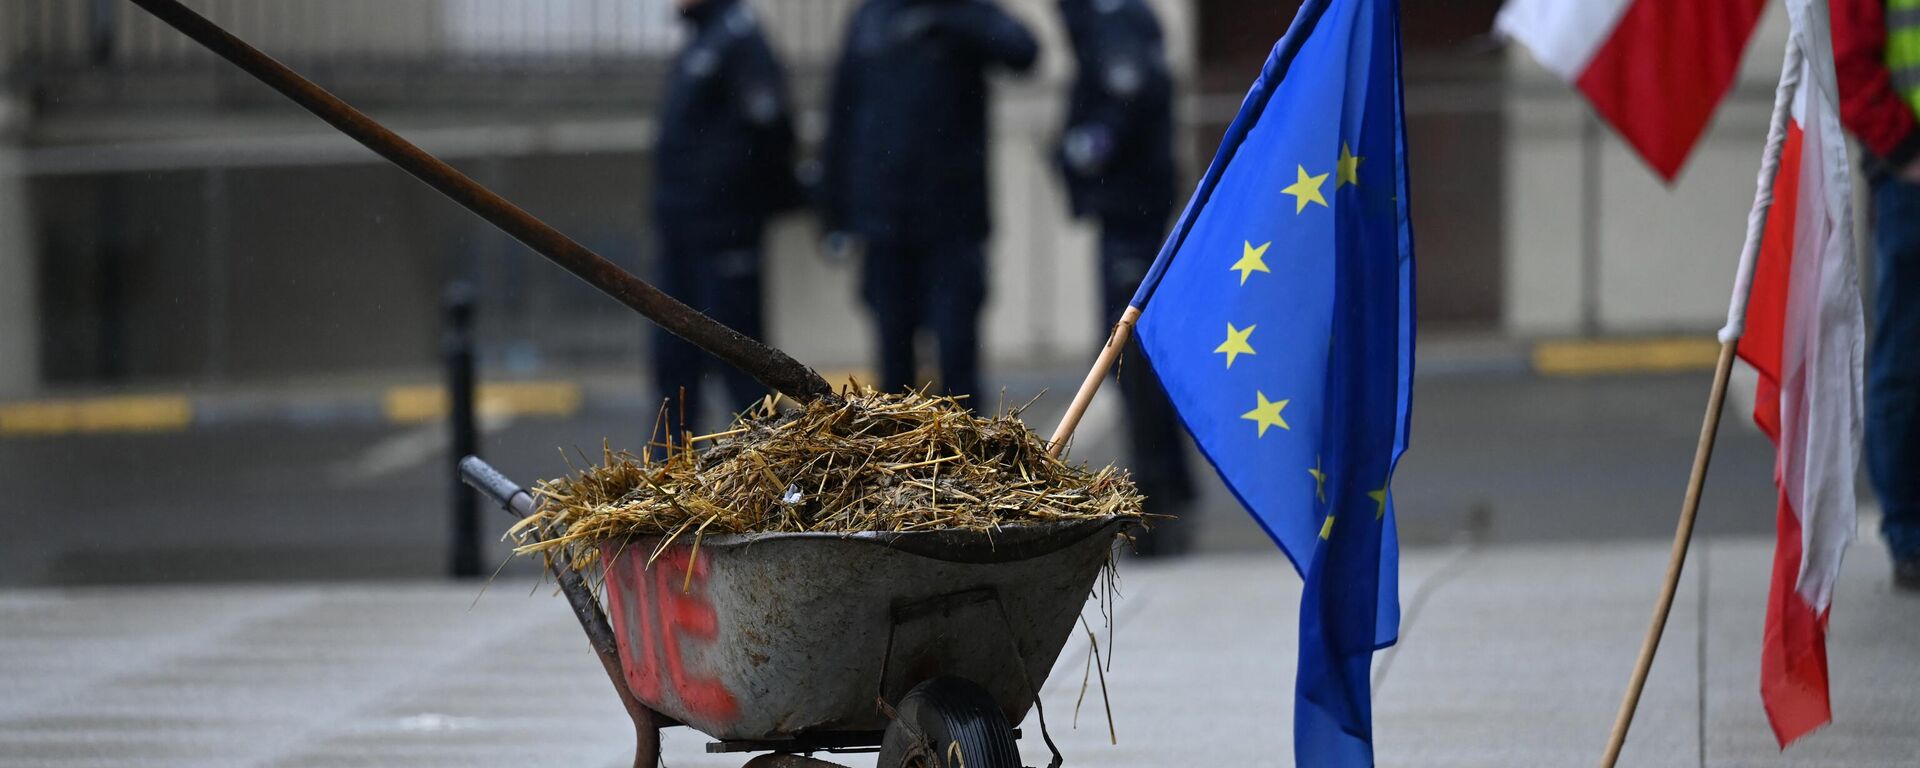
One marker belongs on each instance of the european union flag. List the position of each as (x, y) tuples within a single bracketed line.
[(1281, 324)]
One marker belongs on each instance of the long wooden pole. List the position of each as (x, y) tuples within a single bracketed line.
[(767, 365), (1682, 536), (1716, 400), (1116, 341)]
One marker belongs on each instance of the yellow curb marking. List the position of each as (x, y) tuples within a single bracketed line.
[(1595, 357), (428, 402), (117, 413)]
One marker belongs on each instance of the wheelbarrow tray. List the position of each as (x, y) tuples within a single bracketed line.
[(778, 636)]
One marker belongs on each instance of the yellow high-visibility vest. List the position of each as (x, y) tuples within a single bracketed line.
[(1903, 49)]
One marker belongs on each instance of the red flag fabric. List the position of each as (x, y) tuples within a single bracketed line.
[(1805, 336), (1654, 69)]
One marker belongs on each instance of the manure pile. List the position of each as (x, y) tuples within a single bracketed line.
[(863, 462)]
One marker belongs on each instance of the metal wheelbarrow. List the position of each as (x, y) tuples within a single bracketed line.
[(924, 646)]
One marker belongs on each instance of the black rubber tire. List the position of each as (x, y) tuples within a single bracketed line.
[(948, 722)]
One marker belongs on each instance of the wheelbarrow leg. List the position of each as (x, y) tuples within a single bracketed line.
[(646, 744), (514, 499), (646, 726)]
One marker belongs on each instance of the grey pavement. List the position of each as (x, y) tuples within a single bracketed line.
[(1513, 655), (1536, 513)]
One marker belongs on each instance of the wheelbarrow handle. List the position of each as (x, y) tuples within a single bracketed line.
[(485, 479), (513, 498), (510, 496)]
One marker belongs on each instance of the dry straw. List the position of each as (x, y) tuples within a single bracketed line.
[(862, 462)]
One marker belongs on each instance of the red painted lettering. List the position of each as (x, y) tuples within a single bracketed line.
[(632, 622), (686, 616), (643, 595)]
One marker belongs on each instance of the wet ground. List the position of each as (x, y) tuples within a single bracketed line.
[(1512, 655), (1535, 510)]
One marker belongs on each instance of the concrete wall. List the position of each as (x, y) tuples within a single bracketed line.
[(1666, 254)]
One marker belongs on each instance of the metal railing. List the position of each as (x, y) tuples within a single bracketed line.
[(64, 37)]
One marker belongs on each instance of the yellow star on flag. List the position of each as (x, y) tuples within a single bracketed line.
[(1380, 499), (1326, 528), (1266, 414), (1251, 260), (1306, 190), (1319, 480), (1236, 343), (1347, 169)]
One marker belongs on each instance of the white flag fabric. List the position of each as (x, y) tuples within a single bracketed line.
[(1655, 69), (1805, 335)]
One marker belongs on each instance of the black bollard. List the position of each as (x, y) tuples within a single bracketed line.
[(457, 346)]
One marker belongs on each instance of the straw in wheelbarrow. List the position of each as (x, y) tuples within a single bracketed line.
[(863, 462)]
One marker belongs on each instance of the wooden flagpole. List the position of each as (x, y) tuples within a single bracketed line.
[(1116, 341), (1716, 399), (1682, 537)]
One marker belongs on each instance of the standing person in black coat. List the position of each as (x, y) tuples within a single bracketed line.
[(1117, 155), (723, 166), (905, 171)]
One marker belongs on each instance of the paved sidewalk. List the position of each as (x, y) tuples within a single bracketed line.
[(1513, 656)]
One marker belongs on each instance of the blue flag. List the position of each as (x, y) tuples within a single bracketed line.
[(1279, 317)]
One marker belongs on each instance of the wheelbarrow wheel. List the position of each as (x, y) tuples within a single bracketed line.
[(948, 722)]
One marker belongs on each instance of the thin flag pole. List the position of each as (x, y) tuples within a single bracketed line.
[(1116, 341), (1716, 399), (1763, 193), (1271, 74)]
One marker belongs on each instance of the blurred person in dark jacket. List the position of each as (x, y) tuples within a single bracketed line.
[(904, 171), (1876, 49), (1116, 153), (723, 167)]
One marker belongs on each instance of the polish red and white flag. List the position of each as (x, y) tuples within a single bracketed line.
[(1655, 69), (1804, 333)]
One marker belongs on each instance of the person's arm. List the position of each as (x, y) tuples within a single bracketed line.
[(834, 150), (1122, 67), (758, 93), (990, 31), (1870, 108), (755, 84)]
